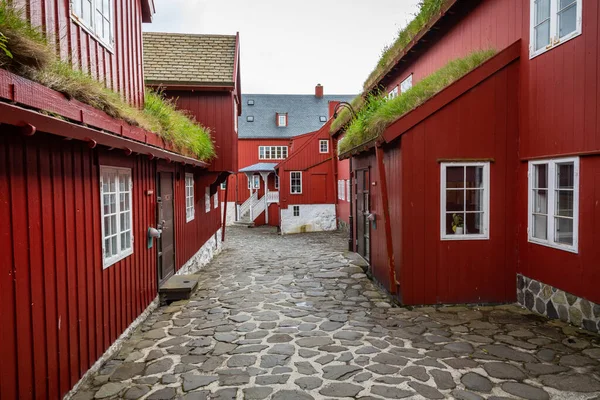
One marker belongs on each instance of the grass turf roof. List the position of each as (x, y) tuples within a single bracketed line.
[(379, 112), (25, 52)]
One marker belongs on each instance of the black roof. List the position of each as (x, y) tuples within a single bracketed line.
[(304, 114)]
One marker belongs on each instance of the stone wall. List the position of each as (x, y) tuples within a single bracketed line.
[(312, 218), (230, 213), (555, 303), (207, 252)]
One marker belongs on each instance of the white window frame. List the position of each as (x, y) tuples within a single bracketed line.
[(276, 181), (223, 185), (91, 25), (216, 200), (254, 183), (393, 93), (485, 199), (189, 197), (273, 152), (326, 149), (550, 242), (294, 209), (121, 254), (207, 199), (281, 120), (291, 182), (406, 84), (554, 39)]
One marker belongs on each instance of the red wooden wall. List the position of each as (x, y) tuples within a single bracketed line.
[(214, 110), (343, 173), (60, 309), (121, 68)]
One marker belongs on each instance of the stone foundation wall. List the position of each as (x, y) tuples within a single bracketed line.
[(230, 212), (555, 303), (207, 252), (312, 218), (343, 225)]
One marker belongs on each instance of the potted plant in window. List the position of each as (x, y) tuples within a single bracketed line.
[(457, 224)]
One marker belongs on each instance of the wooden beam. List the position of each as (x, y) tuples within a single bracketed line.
[(386, 220)]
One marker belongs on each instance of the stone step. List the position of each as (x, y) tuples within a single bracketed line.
[(247, 223), (178, 287)]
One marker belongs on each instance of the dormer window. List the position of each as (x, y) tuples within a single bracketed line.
[(281, 120), (250, 102), (250, 118), (323, 118)]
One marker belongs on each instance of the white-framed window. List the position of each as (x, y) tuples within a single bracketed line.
[(215, 200), (323, 146), (341, 189), (281, 120), (296, 182), (554, 203), (207, 199), (276, 181), (406, 84), (96, 16), (117, 220), (552, 23), (393, 93), (254, 182), (465, 200), (348, 194), (223, 185), (272, 152), (296, 211), (189, 197)]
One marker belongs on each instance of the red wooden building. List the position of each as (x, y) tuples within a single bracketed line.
[(79, 191), (271, 129), (513, 148)]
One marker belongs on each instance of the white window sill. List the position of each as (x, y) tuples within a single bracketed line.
[(541, 242), (108, 46), (115, 259), (534, 54), (465, 237)]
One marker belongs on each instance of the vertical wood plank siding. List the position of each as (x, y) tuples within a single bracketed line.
[(119, 68), (60, 309)]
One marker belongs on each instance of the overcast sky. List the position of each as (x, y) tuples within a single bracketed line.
[(289, 47)]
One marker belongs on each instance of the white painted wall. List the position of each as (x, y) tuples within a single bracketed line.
[(313, 218), (230, 213)]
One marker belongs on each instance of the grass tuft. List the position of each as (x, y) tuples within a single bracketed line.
[(379, 112), (427, 10), (25, 52)]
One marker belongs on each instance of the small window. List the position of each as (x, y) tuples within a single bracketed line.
[(554, 203), (406, 84), (552, 23), (323, 118), (207, 199), (223, 185), (324, 146), (250, 118), (254, 182), (250, 102), (117, 220), (341, 189), (96, 17), (281, 120), (272, 152), (215, 200), (296, 211), (465, 198), (393, 93), (348, 190), (276, 182), (189, 197), (296, 182)]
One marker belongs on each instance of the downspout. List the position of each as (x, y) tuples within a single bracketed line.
[(387, 223), (225, 210)]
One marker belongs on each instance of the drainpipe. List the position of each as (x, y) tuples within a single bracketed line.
[(350, 215), (225, 210), (387, 223)]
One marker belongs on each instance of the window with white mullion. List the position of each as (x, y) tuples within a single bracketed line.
[(542, 11), (553, 22), (116, 213), (567, 17), (96, 16), (189, 197)]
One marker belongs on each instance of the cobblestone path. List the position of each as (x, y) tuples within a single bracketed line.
[(290, 318)]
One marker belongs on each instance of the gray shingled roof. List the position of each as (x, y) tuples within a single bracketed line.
[(174, 58), (303, 114), (260, 167)]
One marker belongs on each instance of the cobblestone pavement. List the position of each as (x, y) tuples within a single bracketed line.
[(290, 318)]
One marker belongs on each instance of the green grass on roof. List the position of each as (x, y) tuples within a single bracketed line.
[(344, 116), (379, 112), (24, 51), (427, 10)]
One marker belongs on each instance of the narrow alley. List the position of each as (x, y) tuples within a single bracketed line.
[(290, 317)]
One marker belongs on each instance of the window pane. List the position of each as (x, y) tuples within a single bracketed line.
[(564, 203), (107, 231), (474, 177), (474, 223), (113, 203), (106, 202), (455, 200), (455, 223), (122, 220), (455, 177), (542, 11), (113, 245), (567, 21), (540, 201), (122, 201), (107, 251), (540, 227), (106, 8), (475, 200), (113, 224), (112, 180), (123, 241), (540, 176), (87, 11), (564, 231), (542, 35), (565, 175)]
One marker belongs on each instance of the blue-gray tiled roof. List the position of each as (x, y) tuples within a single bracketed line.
[(264, 167), (303, 110)]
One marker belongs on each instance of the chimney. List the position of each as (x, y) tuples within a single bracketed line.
[(319, 91)]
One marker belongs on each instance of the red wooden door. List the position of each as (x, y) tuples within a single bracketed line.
[(363, 226), (318, 188), (166, 243)]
